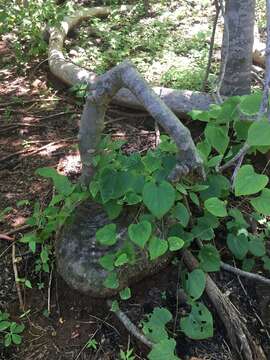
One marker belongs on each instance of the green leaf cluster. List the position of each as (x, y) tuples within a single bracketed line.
[(10, 330)]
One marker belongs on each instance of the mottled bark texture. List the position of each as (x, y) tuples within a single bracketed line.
[(92, 122), (179, 101), (237, 47), (78, 253)]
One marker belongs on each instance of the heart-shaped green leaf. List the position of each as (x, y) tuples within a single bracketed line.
[(216, 207), (165, 349), (111, 281), (217, 136), (140, 233), (114, 184), (181, 213), (121, 260), (247, 182), (256, 246), (125, 294), (154, 326), (195, 283), (107, 235), (175, 243), (107, 261), (238, 245), (259, 133), (158, 198), (157, 247), (198, 324), (250, 104), (262, 202), (61, 182), (209, 258)]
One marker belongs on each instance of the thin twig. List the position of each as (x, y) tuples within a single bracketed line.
[(85, 345), (22, 102), (248, 275), (25, 124), (238, 156), (6, 237), (28, 152), (49, 293), (21, 228), (56, 115), (157, 133), (16, 276), (236, 169), (37, 66), (212, 42), (131, 327), (226, 43)]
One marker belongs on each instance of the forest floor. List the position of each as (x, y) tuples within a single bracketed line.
[(39, 126)]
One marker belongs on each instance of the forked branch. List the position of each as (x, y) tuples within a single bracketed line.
[(92, 122)]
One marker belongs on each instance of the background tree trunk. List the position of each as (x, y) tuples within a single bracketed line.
[(237, 47)]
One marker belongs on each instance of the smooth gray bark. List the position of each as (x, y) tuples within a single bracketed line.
[(92, 122), (237, 47), (179, 101)]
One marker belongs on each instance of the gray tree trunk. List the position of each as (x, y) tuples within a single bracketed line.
[(237, 47)]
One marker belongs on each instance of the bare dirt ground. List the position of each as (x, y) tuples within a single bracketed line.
[(38, 128)]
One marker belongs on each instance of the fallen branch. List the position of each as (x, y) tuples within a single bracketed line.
[(130, 326), (239, 336), (246, 274)]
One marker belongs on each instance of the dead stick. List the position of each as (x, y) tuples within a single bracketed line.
[(21, 228), (28, 152), (22, 102), (210, 54), (16, 276), (248, 275), (237, 331), (6, 237), (49, 292), (131, 327)]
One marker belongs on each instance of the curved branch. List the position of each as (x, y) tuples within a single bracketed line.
[(92, 122), (179, 101)]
